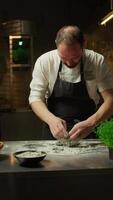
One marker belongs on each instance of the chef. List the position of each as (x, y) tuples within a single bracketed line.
[(66, 85)]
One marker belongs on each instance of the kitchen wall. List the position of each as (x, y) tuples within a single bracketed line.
[(14, 82), (17, 119), (101, 40), (20, 125)]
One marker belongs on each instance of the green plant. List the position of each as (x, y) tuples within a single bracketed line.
[(105, 132)]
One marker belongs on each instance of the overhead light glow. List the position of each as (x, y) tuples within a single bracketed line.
[(108, 17)]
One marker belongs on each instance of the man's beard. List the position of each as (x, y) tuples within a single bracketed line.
[(72, 66)]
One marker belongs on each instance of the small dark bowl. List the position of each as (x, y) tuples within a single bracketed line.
[(30, 158)]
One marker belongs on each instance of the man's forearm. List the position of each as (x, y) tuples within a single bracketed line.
[(41, 110), (57, 125), (104, 112)]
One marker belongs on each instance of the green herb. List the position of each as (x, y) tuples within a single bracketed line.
[(67, 142), (105, 132)]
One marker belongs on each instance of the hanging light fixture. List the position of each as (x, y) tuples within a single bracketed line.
[(108, 17)]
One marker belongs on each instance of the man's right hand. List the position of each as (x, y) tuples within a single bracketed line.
[(58, 127)]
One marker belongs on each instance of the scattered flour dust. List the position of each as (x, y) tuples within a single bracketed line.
[(62, 147)]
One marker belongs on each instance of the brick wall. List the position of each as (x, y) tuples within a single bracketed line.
[(14, 82)]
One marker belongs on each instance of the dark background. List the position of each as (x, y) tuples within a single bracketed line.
[(50, 15), (55, 13), (43, 19)]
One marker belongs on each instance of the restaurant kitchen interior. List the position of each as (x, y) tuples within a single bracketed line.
[(28, 29), (67, 170)]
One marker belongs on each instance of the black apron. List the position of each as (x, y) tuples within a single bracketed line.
[(70, 101)]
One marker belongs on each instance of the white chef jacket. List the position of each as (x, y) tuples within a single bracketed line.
[(97, 74)]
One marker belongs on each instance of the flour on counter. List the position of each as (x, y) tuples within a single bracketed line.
[(52, 147)]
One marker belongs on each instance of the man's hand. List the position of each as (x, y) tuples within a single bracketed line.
[(80, 130), (58, 127)]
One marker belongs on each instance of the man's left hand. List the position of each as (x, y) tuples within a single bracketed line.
[(80, 130)]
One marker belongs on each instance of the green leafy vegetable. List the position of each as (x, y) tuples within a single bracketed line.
[(105, 132)]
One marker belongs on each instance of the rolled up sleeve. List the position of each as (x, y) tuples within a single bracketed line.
[(105, 77), (39, 83)]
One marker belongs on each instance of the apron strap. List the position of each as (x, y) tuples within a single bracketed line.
[(82, 70)]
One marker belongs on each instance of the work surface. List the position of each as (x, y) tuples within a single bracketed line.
[(82, 172), (89, 154)]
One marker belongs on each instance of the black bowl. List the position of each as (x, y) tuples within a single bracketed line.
[(30, 157)]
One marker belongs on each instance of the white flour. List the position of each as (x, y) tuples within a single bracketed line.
[(51, 147)]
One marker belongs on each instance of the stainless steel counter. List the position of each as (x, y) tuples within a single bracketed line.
[(67, 172)]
